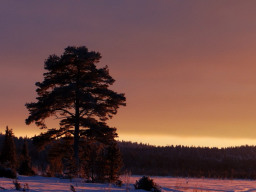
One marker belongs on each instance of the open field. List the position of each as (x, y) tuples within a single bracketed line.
[(44, 184)]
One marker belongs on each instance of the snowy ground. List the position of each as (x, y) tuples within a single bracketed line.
[(46, 184)]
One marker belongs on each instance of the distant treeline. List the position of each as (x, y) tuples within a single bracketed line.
[(182, 161), (177, 161)]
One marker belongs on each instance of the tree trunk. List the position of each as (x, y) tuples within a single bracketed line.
[(77, 124), (76, 144)]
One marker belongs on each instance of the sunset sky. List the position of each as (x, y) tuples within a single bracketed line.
[(187, 67)]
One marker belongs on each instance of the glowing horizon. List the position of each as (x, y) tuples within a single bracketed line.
[(167, 140)]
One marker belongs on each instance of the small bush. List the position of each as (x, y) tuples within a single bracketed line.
[(17, 185), (7, 172), (147, 184), (119, 183), (26, 170), (26, 187)]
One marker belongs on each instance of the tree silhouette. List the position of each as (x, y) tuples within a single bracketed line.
[(114, 161), (8, 154), (25, 161), (76, 92)]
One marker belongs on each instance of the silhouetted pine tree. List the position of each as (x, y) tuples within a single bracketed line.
[(8, 154), (101, 162), (61, 159), (91, 160), (25, 161), (78, 93), (114, 161), (68, 160)]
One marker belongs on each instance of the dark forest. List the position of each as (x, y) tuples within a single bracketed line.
[(176, 161)]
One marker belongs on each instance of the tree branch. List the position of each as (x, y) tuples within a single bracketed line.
[(66, 111)]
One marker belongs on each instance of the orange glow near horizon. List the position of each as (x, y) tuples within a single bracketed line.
[(163, 140), (168, 140)]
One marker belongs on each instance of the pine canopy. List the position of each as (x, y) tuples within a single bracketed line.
[(77, 93)]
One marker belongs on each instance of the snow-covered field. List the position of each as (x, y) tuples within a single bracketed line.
[(46, 184)]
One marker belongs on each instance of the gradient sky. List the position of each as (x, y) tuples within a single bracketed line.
[(188, 68)]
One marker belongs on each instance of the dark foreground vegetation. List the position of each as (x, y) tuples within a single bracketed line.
[(140, 159), (99, 162)]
